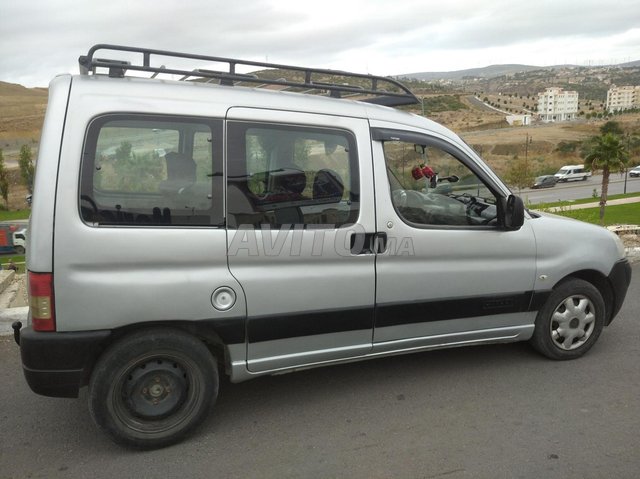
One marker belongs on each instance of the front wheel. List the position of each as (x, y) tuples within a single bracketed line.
[(570, 322), (153, 387)]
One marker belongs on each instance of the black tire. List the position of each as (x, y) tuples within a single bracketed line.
[(153, 387), (19, 249), (571, 320)]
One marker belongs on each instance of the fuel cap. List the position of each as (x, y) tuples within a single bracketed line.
[(223, 298)]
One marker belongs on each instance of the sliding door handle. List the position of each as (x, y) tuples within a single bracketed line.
[(368, 243)]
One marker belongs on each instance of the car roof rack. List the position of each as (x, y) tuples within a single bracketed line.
[(337, 84)]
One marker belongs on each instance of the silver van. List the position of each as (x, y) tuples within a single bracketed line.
[(221, 223)]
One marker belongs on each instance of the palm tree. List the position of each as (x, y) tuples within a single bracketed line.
[(607, 153)]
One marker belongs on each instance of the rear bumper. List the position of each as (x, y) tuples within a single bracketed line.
[(619, 279), (56, 364)]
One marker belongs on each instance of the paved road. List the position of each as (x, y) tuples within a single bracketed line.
[(480, 412), (579, 189)]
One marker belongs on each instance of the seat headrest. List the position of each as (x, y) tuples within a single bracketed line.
[(327, 184), (290, 179)]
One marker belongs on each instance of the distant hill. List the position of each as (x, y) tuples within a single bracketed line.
[(491, 71), (630, 64), (21, 116), (13, 89), (494, 71)]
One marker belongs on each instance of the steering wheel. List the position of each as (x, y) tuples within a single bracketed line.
[(482, 221), (469, 208)]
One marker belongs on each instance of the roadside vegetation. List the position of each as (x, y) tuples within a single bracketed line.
[(441, 103), (16, 258), (14, 215), (608, 153), (583, 201), (616, 215)]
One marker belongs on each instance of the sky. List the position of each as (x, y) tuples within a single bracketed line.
[(42, 38)]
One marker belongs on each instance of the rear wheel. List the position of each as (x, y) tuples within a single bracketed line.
[(19, 249), (153, 387), (570, 322)]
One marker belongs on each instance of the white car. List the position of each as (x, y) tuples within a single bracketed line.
[(635, 172)]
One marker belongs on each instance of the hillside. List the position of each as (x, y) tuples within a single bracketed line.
[(485, 72), (21, 116), (591, 83)]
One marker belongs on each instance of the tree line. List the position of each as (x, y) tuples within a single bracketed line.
[(27, 173)]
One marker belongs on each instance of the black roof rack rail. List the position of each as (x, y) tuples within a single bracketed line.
[(338, 84)]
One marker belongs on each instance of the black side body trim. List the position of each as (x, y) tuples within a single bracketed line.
[(619, 279), (395, 314), (300, 324), (268, 328), (538, 299)]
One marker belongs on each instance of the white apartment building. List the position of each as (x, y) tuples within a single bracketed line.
[(555, 104), (623, 98)]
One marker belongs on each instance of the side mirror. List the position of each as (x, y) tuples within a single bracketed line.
[(512, 213)]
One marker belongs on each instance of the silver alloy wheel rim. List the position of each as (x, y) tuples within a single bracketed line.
[(572, 322)]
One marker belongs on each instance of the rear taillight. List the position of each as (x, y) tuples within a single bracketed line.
[(41, 301)]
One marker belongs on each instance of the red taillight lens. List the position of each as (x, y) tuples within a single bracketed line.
[(41, 301)]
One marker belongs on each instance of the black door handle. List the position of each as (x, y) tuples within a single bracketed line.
[(368, 243)]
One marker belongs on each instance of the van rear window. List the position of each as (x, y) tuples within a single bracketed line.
[(154, 171)]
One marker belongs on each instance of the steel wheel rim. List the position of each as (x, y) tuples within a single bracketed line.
[(572, 322), (133, 394)]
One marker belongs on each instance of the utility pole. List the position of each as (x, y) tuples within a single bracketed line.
[(526, 151), (625, 165)]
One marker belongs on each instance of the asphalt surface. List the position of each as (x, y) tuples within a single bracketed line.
[(482, 412), (575, 190)]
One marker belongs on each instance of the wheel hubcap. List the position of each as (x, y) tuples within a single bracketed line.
[(572, 322), (155, 389)]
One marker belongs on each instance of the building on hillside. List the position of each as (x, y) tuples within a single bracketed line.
[(519, 120), (555, 104), (621, 98)]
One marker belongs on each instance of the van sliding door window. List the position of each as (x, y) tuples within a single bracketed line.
[(152, 171), (279, 176)]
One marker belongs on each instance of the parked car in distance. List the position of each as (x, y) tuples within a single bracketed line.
[(635, 172), (544, 181)]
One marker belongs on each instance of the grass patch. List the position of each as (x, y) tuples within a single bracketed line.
[(613, 215), (443, 103), (17, 258), (14, 215)]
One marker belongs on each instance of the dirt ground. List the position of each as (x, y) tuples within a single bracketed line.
[(631, 241)]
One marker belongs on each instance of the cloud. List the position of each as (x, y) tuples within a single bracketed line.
[(45, 37)]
